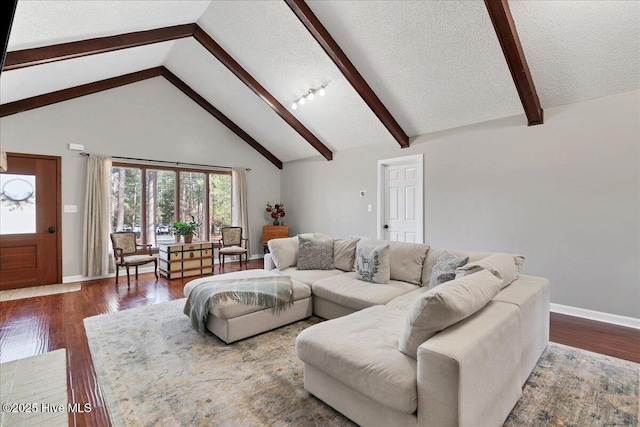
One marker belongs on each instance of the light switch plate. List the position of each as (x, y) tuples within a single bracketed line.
[(369, 208), (70, 208)]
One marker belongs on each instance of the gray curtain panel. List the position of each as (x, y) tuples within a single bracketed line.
[(240, 204), (97, 214)]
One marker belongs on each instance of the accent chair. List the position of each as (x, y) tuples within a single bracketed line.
[(125, 252), (232, 243)]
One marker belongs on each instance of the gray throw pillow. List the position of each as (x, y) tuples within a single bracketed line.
[(372, 263), (445, 268), (314, 254)]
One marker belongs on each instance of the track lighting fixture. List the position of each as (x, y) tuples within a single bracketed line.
[(309, 96)]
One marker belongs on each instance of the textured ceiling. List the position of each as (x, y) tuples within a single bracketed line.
[(206, 75), (45, 22), (579, 50), (267, 39), (434, 64), (31, 81)]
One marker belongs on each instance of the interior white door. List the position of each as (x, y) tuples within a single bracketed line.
[(402, 220)]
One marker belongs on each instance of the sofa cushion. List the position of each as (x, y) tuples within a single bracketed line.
[(230, 309), (446, 305), (314, 254), (501, 265), (435, 253), (308, 276), (372, 262), (344, 254), (360, 350), (405, 301), (322, 236), (405, 259), (445, 269), (350, 292)]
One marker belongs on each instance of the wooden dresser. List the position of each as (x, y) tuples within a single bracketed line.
[(185, 259), (273, 232)]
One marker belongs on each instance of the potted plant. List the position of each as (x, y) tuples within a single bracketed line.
[(276, 213), (186, 229)]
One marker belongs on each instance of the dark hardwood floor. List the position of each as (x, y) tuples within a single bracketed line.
[(38, 325)]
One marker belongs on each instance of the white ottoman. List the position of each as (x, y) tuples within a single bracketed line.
[(232, 321)]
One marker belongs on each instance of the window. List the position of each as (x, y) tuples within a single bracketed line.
[(17, 204), (220, 203), (161, 206), (126, 200), (148, 199), (193, 199)]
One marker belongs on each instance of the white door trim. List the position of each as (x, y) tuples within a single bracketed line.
[(417, 159)]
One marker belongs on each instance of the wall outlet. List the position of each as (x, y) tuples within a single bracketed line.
[(70, 208)]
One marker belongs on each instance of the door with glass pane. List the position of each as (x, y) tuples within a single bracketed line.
[(30, 242)]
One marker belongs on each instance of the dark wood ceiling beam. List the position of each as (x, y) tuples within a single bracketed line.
[(512, 48), (216, 50), (76, 92), (221, 117), (28, 57), (331, 47), (42, 55), (90, 88)]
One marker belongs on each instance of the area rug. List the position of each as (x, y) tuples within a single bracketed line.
[(34, 389), (154, 369), (38, 291)]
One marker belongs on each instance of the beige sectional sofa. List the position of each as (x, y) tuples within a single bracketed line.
[(469, 374)]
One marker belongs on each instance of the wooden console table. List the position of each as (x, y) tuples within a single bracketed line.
[(273, 232)]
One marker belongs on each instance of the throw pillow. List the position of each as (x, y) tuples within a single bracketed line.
[(284, 252), (445, 305), (519, 260), (372, 263), (344, 254), (405, 259), (445, 269), (502, 266), (314, 254)]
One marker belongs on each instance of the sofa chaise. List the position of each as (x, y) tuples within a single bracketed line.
[(469, 374)]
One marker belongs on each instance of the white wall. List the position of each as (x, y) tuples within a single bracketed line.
[(565, 194), (149, 119)]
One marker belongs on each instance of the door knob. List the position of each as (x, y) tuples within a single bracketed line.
[(51, 230), (386, 226)]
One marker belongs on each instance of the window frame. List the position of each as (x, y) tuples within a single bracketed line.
[(176, 169)]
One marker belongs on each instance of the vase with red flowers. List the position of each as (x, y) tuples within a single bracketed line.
[(276, 212)]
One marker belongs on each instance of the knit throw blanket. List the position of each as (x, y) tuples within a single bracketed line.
[(267, 292)]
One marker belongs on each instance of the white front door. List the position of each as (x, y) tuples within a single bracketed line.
[(400, 207)]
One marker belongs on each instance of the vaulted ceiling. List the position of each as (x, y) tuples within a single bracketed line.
[(428, 65)]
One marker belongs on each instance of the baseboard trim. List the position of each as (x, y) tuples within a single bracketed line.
[(123, 273), (81, 278), (629, 322)]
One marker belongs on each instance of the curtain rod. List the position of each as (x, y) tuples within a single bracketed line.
[(166, 162)]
